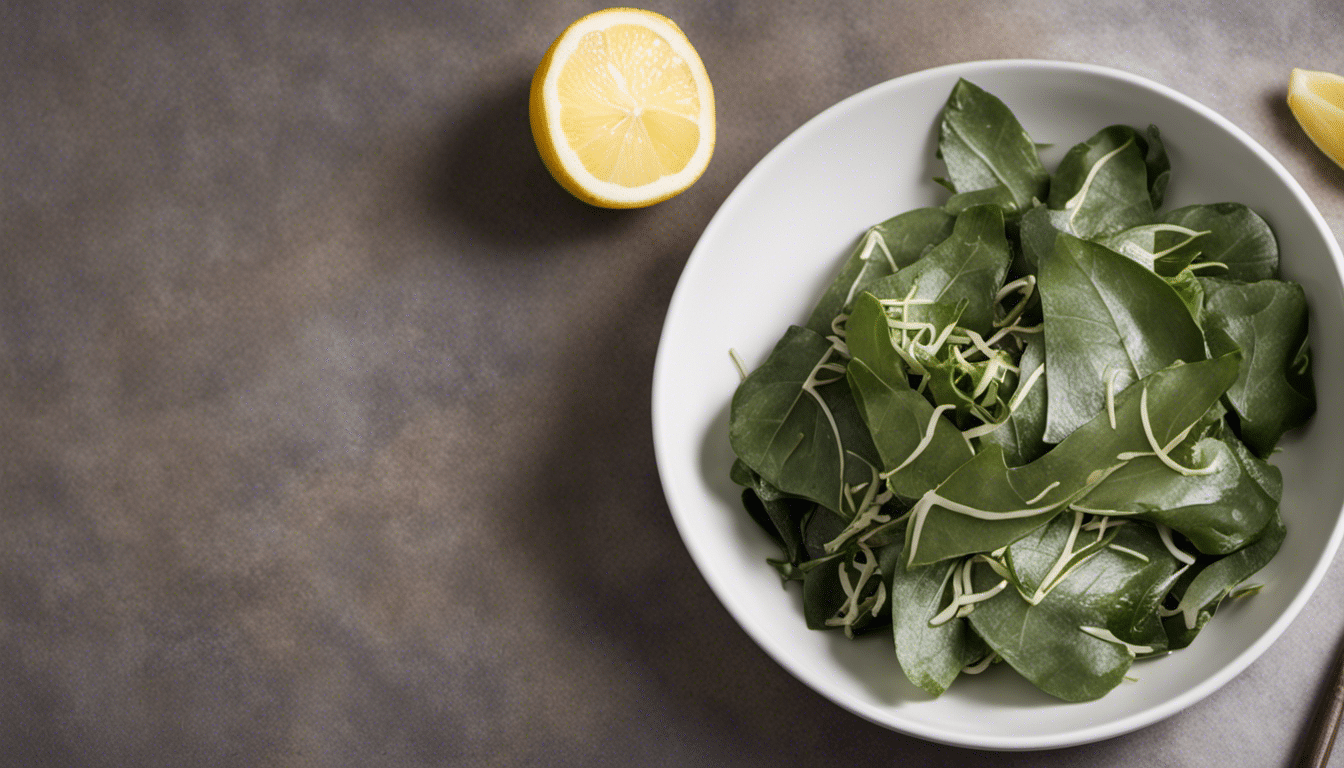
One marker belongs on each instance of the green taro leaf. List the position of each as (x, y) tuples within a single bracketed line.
[(1236, 236), (985, 504), (1107, 319), (968, 266), (1219, 512), (1112, 590), (931, 657), (1159, 166), (1102, 184), (806, 440), (1200, 596), (1037, 230), (779, 514), (898, 417), (1164, 248), (823, 592), (1187, 286), (868, 336), (883, 249), (1038, 560), (985, 146), (1021, 434), (1267, 320), (1000, 196)]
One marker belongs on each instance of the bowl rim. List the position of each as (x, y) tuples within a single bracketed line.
[(885, 718)]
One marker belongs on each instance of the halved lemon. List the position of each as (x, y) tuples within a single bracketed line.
[(622, 109), (1317, 101)]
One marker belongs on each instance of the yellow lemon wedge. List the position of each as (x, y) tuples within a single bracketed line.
[(622, 109), (1317, 101)]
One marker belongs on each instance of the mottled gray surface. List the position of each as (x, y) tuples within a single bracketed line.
[(326, 411)]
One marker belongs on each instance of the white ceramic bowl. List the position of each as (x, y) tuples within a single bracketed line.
[(777, 241)]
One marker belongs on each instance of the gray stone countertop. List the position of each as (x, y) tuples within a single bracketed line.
[(326, 412)]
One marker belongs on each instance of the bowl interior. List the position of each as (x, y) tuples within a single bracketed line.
[(776, 242)]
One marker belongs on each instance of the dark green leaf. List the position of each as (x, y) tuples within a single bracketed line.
[(931, 657), (985, 146), (806, 440), (1105, 317), (780, 515), (883, 249), (1112, 590), (1102, 184), (1000, 196), (898, 418), (1200, 596), (968, 266), (1159, 166), (1237, 237), (1000, 505), (1037, 230), (1267, 320), (1219, 513)]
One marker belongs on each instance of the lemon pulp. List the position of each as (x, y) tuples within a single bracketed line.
[(1317, 102), (629, 105), (622, 110)]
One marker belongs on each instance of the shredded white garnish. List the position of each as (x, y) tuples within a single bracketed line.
[(930, 499), (1075, 203), (1104, 634), (1013, 403), (979, 342), (1055, 574), (1099, 525), (963, 596), (923, 441), (988, 376), (1160, 451), (838, 325), (879, 598), (981, 665), (1024, 284), (1101, 512), (1189, 233), (853, 608), (1164, 532), (1025, 388), (841, 347), (1044, 491), (1110, 396), (737, 361), (1129, 552), (873, 241), (867, 511)]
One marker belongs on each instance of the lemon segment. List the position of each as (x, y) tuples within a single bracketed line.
[(1317, 101), (622, 109)]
